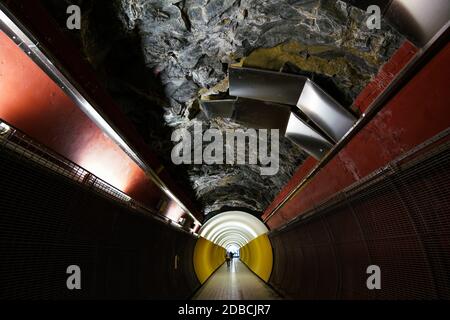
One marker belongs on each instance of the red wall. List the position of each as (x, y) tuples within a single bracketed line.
[(35, 17), (33, 103), (417, 113)]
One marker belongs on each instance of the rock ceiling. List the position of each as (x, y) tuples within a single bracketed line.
[(156, 58)]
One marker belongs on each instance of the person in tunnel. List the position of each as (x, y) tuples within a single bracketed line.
[(228, 258)]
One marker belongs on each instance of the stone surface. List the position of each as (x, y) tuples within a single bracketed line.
[(156, 57)]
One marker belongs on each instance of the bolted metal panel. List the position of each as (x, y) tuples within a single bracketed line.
[(325, 112), (307, 138)]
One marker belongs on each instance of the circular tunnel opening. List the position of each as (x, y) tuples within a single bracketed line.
[(237, 232)]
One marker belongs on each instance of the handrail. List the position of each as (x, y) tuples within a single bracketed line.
[(17, 141), (26, 42)]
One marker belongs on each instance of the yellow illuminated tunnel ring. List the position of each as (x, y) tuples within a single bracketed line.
[(233, 229)]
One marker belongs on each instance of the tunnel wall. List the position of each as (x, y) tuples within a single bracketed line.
[(33, 15), (398, 219), (257, 255), (33, 103), (48, 222), (207, 258), (356, 212), (419, 111)]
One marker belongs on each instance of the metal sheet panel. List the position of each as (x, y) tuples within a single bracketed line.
[(265, 85), (289, 89), (307, 138), (250, 113), (262, 115), (218, 108), (419, 20), (325, 112)]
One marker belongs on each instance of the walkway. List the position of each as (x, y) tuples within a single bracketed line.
[(235, 283)]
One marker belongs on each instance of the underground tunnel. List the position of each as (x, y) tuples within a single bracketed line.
[(224, 150)]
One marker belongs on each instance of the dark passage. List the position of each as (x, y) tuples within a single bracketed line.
[(49, 222), (134, 150)]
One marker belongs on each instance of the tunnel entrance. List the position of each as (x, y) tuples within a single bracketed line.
[(233, 229), (238, 232), (244, 235)]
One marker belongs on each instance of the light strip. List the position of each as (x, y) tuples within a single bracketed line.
[(227, 231), (233, 227), (232, 238), (18, 34), (224, 227)]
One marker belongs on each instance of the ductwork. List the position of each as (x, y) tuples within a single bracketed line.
[(333, 119), (418, 20), (294, 104), (267, 115)]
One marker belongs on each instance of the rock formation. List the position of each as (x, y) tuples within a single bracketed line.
[(157, 57)]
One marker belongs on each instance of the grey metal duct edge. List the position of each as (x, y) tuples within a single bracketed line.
[(218, 108), (248, 112), (324, 111), (266, 115), (332, 118), (418, 20), (307, 138)]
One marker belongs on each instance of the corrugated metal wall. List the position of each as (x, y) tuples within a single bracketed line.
[(398, 219)]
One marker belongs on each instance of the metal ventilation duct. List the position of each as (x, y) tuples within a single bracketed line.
[(261, 115), (277, 87), (324, 111), (266, 115), (307, 138), (418, 20), (218, 108), (249, 113), (266, 85)]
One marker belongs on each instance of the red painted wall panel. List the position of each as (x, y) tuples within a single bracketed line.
[(417, 113), (387, 73), (35, 17), (32, 102), (398, 221)]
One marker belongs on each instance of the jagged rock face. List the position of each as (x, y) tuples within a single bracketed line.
[(188, 42), (157, 56)]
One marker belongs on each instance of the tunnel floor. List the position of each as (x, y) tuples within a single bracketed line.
[(235, 283)]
